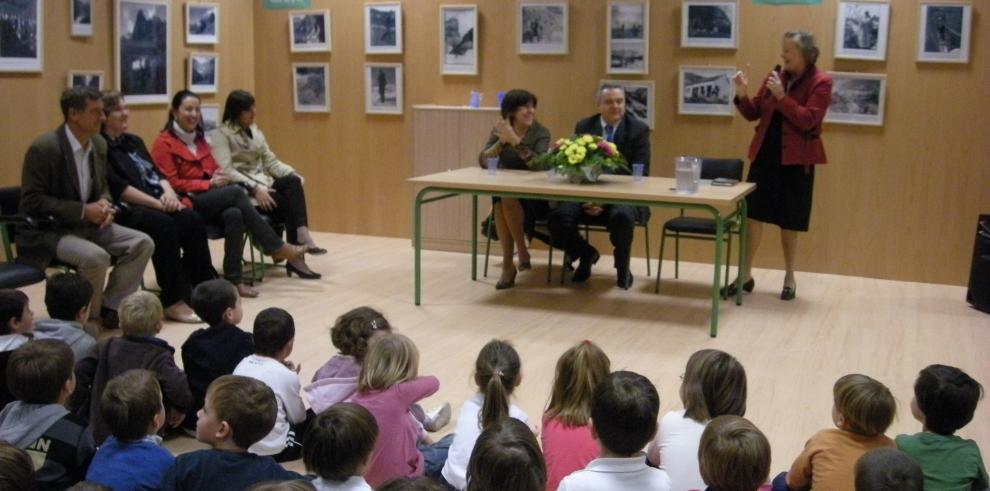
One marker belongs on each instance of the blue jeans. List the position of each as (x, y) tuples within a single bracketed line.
[(435, 456), (780, 482)]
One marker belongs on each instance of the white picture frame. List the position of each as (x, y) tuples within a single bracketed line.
[(543, 28), (210, 116), (459, 39), (143, 66), (202, 23), (383, 28), (383, 88), (310, 31), (861, 30), (81, 18), (944, 32), (710, 24), (857, 98), (628, 46), (705, 90), (84, 78), (640, 98), (28, 50), (311, 87), (203, 71)]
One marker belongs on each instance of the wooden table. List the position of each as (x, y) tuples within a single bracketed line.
[(611, 189)]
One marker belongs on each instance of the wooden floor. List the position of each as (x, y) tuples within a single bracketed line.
[(792, 351)]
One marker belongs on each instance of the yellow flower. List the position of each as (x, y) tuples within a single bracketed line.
[(573, 159), (591, 146), (587, 139)]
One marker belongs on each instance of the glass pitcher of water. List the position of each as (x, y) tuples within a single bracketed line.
[(688, 173)]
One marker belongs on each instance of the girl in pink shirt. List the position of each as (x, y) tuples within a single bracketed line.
[(567, 442), (388, 387)]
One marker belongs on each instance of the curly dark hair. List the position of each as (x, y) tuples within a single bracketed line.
[(351, 332)]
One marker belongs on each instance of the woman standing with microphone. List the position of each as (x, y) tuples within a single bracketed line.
[(790, 106)]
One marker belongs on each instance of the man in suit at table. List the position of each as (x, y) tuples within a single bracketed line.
[(632, 137), (64, 176)]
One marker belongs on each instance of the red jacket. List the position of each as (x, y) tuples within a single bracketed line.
[(803, 109), (187, 173)]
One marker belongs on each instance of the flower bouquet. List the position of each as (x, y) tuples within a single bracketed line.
[(582, 158)]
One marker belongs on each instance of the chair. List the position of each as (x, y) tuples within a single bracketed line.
[(12, 274), (697, 228), (257, 265)]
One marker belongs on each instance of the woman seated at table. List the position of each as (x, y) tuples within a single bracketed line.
[(516, 138), (182, 255), (184, 157), (240, 148)]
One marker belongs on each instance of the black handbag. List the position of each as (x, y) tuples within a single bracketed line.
[(978, 293), (488, 226)]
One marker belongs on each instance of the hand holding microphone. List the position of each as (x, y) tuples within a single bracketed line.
[(775, 85)]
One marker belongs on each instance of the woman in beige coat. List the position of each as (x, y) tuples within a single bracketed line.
[(241, 150)]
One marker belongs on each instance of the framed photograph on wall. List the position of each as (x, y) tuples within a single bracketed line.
[(142, 50), (202, 23), (943, 33), (709, 24), (383, 88), (459, 32), (22, 43), (85, 78), (543, 28), (203, 72), (857, 98), (705, 90), (309, 30), (639, 97), (81, 16), (211, 116), (311, 87), (861, 30), (383, 28), (628, 37)]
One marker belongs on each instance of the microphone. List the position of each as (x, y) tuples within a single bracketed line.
[(776, 69)]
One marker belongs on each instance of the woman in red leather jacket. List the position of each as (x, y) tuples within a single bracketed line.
[(790, 105)]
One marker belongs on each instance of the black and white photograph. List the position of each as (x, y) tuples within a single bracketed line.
[(543, 28), (861, 30), (309, 30), (202, 23), (383, 28), (21, 39), (143, 62), (639, 97), (203, 70), (211, 116), (383, 88), (709, 24), (857, 98), (311, 87), (85, 78), (81, 16), (706, 90), (943, 34), (459, 31), (628, 37)]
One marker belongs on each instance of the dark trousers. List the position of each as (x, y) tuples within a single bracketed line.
[(230, 208), (291, 201), (182, 254), (619, 220)]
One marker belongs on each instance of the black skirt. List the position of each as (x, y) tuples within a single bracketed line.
[(783, 192)]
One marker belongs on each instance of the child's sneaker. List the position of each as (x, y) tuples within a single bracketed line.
[(437, 418)]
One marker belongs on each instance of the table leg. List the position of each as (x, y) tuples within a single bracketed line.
[(417, 245), (474, 237), (716, 293), (743, 234)]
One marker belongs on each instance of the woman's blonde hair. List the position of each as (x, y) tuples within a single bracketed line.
[(391, 359), (579, 370), (805, 43)]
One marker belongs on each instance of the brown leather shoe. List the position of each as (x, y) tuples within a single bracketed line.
[(288, 252), (247, 291)]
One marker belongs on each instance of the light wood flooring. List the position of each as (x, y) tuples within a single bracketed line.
[(792, 351)]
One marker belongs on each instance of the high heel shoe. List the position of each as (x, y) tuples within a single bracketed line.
[(505, 285), (730, 289), (306, 275), (525, 266), (788, 293), (316, 250)]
